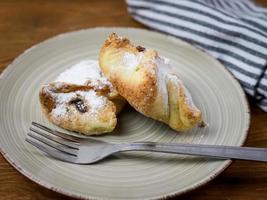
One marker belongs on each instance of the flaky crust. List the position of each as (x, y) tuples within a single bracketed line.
[(155, 91), (73, 119), (89, 106), (136, 91)]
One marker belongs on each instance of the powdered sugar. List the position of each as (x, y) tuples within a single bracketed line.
[(92, 101), (62, 101), (64, 97), (60, 110), (131, 61), (167, 72), (86, 72), (83, 73), (166, 60), (162, 73)]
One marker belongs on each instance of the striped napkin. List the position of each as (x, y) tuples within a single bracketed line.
[(234, 32)]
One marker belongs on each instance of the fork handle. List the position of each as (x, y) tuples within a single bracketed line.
[(214, 151)]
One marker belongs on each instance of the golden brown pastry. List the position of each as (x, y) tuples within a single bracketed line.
[(82, 100), (148, 82)]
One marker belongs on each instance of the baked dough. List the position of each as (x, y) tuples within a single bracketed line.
[(148, 82), (82, 100)]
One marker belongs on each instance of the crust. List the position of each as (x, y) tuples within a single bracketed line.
[(142, 88), (140, 94), (83, 122)]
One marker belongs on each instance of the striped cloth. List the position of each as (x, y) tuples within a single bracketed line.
[(233, 31)]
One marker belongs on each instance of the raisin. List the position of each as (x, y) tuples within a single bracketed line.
[(79, 104), (140, 48)]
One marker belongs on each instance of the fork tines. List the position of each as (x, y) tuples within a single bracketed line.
[(54, 143)]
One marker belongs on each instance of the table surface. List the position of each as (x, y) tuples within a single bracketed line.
[(24, 23)]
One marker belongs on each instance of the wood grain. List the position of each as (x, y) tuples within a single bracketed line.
[(24, 23)]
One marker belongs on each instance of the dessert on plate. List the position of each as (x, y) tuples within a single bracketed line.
[(86, 97), (148, 82), (81, 99)]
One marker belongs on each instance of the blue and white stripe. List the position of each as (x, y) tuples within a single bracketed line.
[(234, 32)]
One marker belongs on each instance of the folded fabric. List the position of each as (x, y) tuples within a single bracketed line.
[(234, 32)]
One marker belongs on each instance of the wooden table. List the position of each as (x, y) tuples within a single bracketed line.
[(25, 23)]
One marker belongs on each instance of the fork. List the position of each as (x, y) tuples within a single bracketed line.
[(90, 150)]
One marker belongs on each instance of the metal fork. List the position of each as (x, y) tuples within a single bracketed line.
[(90, 150)]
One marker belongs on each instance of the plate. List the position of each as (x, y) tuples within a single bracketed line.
[(128, 175)]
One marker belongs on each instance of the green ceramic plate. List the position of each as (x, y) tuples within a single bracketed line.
[(128, 175)]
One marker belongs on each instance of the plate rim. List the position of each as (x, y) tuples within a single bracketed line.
[(192, 187)]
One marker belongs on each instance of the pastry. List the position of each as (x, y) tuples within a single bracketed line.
[(81, 99), (148, 82)]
